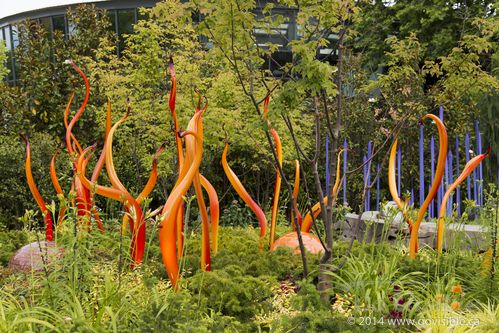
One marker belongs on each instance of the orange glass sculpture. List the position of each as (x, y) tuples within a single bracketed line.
[(311, 243)]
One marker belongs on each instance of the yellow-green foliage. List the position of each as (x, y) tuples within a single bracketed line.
[(3, 58)]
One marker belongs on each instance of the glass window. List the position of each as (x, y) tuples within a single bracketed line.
[(126, 20), (46, 22), (8, 41), (111, 15), (59, 23), (15, 37)]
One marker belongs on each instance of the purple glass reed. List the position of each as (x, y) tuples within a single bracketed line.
[(369, 155), (458, 171), (475, 187), (450, 202), (365, 178), (377, 187), (467, 155), (446, 180), (421, 165), (480, 166), (432, 160)]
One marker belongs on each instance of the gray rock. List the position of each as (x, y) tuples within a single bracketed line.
[(389, 225)]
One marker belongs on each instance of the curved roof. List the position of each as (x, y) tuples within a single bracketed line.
[(11, 8)]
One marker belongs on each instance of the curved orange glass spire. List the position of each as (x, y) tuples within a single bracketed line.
[(308, 220), (316, 209), (470, 166), (102, 158), (151, 182), (53, 174), (108, 147), (49, 233), (277, 186), (296, 189), (171, 103), (243, 194), (80, 110), (153, 177), (214, 211), (138, 234), (437, 179), (205, 225), (99, 165), (82, 198), (104, 191), (180, 154), (336, 186), (167, 232), (82, 204), (393, 187), (66, 115), (138, 229), (58, 188), (391, 177), (74, 148)]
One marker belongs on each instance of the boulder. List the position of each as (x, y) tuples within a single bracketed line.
[(34, 256)]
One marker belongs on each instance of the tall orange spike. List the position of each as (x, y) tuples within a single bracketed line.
[(138, 234), (296, 189), (277, 185), (437, 179), (80, 110), (99, 165), (58, 188), (243, 194), (205, 226), (180, 155), (151, 182), (167, 234), (214, 211), (138, 224), (49, 233), (469, 167), (439, 173)]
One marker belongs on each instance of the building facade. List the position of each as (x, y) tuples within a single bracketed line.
[(123, 14)]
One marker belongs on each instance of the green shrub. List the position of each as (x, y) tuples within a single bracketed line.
[(239, 246), (232, 293), (311, 315), (182, 312), (10, 242)]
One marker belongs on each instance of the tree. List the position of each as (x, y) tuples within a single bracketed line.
[(3, 59)]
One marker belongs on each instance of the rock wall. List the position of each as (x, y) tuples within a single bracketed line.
[(388, 225)]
